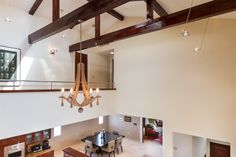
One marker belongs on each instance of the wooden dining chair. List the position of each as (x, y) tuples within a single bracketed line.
[(118, 144), (110, 148), (89, 148)]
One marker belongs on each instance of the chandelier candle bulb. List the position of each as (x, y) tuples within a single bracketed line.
[(97, 90), (71, 91), (62, 91), (91, 91)]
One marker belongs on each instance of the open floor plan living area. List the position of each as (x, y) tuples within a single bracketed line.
[(117, 78)]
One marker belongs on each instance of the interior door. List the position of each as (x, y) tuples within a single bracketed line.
[(219, 150)]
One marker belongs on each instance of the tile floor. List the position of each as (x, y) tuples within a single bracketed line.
[(131, 149)]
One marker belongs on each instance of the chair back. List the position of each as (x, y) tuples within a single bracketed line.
[(111, 146), (88, 146), (115, 132), (119, 141)]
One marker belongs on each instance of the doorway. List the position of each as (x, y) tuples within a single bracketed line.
[(219, 150)]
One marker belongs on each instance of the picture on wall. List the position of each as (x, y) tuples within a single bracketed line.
[(127, 118), (9, 63)]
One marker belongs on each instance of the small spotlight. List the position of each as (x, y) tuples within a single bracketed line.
[(7, 19), (197, 49), (53, 51), (112, 53), (63, 36), (185, 33)]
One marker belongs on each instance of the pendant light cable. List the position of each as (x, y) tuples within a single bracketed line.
[(189, 11)]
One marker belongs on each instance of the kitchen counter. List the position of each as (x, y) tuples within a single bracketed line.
[(70, 152), (41, 153)]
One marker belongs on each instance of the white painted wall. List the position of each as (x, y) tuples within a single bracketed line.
[(99, 69), (73, 133), (22, 113), (159, 75), (189, 146), (128, 129), (199, 146), (37, 63), (182, 145)]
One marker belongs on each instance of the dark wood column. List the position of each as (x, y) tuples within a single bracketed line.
[(55, 10), (149, 9), (97, 26)]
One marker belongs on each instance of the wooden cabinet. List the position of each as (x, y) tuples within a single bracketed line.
[(44, 153), (38, 136), (48, 154), (70, 152), (13, 140)]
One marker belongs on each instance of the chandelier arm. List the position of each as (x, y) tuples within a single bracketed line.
[(77, 83), (84, 84)]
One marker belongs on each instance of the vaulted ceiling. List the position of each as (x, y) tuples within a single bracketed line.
[(171, 13), (130, 9)]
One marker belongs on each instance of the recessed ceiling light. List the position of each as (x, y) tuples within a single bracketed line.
[(63, 36), (112, 52), (185, 33), (197, 49), (7, 19)]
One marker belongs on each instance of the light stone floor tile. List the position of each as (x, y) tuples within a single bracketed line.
[(131, 148)]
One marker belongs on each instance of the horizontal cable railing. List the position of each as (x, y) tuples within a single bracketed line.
[(47, 85)]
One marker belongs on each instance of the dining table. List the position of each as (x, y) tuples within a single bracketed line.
[(102, 138)]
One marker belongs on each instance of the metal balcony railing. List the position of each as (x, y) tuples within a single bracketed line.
[(47, 85)]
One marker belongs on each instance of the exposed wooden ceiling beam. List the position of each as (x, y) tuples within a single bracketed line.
[(55, 10), (114, 13), (35, 7), (84, 13), (199, 12), (158, 8), (97, 26), (149, 9)]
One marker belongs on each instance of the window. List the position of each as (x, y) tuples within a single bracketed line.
[(57, 131), (100, 120)]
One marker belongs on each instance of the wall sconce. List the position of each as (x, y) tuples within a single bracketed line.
[(53, 51)]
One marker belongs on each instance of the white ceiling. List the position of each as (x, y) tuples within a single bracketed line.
[(130, 9), (138, 7)]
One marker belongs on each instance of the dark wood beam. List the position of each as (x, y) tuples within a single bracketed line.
[(84, 13), (199, 12), (35, 6), (55, 10), (97, 26), (116, 15), (158, 8), (149, 9)]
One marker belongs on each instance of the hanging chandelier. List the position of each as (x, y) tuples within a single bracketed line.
[(80, 83)]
